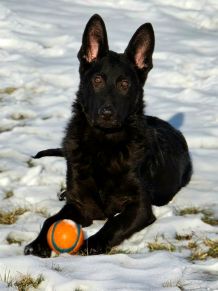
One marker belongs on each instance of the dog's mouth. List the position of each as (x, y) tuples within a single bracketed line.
[(109, 126), (109, 130)]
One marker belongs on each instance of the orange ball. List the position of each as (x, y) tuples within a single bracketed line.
[(65, 236)]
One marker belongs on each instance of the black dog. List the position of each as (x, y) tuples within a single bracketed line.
[(119, 161)]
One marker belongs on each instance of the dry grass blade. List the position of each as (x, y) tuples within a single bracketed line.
[(212, 251), (188, 211), (183, 236), (8, 90), (158, 246), (11, 216), (210, 220), (26, 281)]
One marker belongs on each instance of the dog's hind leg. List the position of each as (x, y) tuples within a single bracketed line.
[(187, 174), (49, 152)]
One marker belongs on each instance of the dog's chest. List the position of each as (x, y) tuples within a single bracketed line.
[(108, 172), (111, 162), (111, 171)]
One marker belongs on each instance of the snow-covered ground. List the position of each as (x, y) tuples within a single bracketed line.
[(39, 41)]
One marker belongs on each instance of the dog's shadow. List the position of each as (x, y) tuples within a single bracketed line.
[(177, 120)]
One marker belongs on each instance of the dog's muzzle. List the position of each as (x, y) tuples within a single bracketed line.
[(107, 118)]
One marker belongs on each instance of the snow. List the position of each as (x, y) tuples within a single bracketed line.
[(39, 41)]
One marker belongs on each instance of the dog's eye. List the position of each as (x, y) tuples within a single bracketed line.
[(123, 85), (98, 81)]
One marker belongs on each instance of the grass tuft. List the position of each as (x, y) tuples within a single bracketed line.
[(30, 163), (7, 279), (26, 281), (210, 252), (56, 267), (170, 284), (198, 255), (183, 236), (23, 283), (207, 215), (119, 251), (213, 247), (160, 246), (209, 219), (10, 240), (43, 212), (11, 216), (8, 90), (8, 194), (192, 245), (189, 211), (18, 116)]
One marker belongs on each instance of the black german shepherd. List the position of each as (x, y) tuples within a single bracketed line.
[(119, 161)]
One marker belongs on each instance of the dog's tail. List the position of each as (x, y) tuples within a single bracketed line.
[(49, 152)]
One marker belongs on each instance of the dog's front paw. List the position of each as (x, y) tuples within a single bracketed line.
[(92, 246), (37, 248)]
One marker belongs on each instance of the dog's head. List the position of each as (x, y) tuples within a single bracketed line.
[(111, 87)]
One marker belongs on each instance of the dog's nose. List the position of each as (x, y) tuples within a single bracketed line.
[(106, 111)]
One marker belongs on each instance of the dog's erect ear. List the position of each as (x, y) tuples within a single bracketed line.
[(94, 41), (141, 47)]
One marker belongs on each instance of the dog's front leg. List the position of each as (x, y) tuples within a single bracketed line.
[(39, 247), (135, 217)]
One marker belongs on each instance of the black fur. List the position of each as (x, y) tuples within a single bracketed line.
[(50, 152), (119, 161)]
